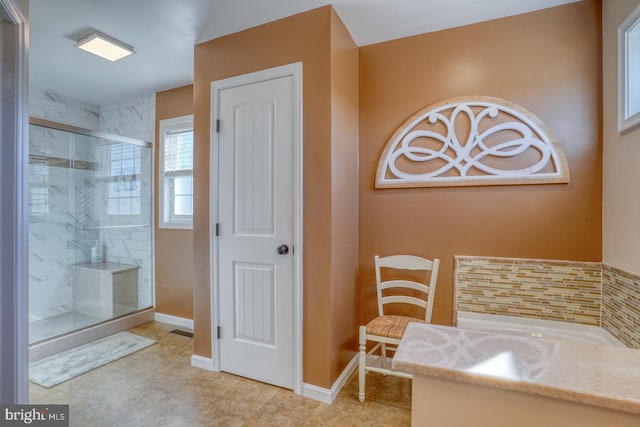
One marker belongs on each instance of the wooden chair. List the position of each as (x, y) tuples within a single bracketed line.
[(386, 330)]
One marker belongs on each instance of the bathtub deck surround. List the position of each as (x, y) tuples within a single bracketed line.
[(587, 293), (544, 379)]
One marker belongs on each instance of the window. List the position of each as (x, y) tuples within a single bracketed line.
[(39, 200), (629, 72), (176, 172), (123, 195)]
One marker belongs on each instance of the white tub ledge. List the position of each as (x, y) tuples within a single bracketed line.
[(535, 328), (469, 377)]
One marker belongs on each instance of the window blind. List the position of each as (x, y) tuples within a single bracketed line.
[(178, 153)]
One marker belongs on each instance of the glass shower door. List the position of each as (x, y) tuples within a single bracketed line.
[(53, 239), (87, 192)]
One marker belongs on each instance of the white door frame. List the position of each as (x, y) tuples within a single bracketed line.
[(14, 154), (294, 70)]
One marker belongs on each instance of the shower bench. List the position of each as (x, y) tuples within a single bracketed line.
[(105, 289)]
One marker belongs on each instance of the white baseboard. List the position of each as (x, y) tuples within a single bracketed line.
[(320, 394), (202, 362), (174, 320), (308, 390), (329, 395)]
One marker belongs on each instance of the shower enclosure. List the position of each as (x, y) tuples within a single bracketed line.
[(87, 189)]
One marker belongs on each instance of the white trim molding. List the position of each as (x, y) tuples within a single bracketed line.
[(14, 190), (320, 394), (472, 140), (202, 362), (329, 395), (165, 201), (294, 70), (174, 320), (309, 391), (626, 71)]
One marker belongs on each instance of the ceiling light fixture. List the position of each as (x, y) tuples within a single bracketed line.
[(104, 46)]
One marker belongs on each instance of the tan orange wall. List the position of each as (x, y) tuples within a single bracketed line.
[(344, 196), (621, 228), (547, 61), (173, 248), (304, 37)]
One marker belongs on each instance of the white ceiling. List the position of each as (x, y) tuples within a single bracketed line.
[(163, 33)]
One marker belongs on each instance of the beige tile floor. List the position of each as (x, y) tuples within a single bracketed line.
[(158, 387)]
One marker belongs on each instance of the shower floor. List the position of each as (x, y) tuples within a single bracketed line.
[(40, 330)]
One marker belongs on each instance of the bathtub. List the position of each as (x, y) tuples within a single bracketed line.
[(536, 328)]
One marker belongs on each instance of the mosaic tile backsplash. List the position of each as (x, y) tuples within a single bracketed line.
[(621, 305), (552, 290)]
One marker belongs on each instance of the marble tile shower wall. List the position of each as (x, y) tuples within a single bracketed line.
[(61, 197), (66, 198), (134, 118), (544, 289), (131, 244), (51, 106)]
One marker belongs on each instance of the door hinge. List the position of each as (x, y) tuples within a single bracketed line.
[(217, 125), (219, 332), (217, 229)]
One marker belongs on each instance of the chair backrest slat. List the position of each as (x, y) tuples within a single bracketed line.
[(408, 284), (403, 299), (407, 262)]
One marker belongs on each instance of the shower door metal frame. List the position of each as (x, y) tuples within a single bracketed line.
[(37, 121)]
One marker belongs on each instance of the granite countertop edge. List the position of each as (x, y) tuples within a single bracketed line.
[(407, 362)]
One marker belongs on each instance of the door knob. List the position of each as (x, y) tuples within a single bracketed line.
[(282, 250)]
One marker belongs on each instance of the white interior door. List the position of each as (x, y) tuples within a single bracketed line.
[(255, 217)]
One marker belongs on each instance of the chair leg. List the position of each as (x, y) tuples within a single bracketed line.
[(361, 362), (383, 353)]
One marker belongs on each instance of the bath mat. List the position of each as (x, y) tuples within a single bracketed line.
[(64, 366)]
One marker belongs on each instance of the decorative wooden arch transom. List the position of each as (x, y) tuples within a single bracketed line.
[(468, 141)]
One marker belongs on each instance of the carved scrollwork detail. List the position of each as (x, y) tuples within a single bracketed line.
[(472, 141)]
